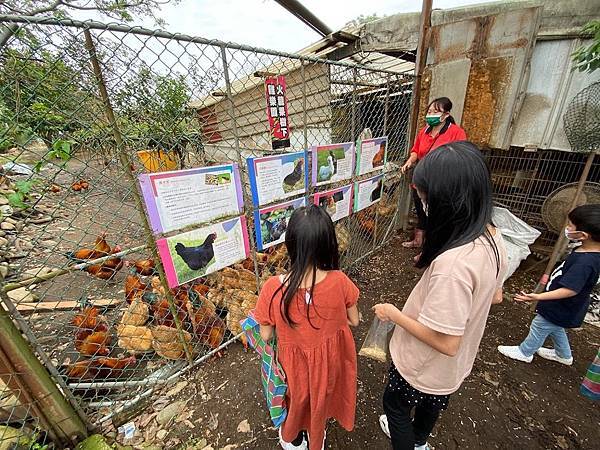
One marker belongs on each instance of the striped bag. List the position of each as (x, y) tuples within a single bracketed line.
[(272, 375), (590, 387)]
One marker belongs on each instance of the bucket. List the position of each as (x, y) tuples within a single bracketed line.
[(158, 160)]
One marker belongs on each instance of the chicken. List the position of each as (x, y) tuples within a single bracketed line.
[(92, 343), (144, 267), (198, 257), (161, 311), (328, 171), (134, 287), (293, 178), (134, 339), (101, 248), (343, 237), (166, 342), (136, 314), (109, 268), (200, 289), (278, 256), (366, 221), (379, 157), (88, 318), (100, 368), (206, 324)]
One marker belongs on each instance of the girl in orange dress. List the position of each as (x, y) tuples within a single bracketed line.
[(310, 310)]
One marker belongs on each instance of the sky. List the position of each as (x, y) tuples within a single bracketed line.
[(266, 24)]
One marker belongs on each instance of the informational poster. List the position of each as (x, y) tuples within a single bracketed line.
[(371, 154), (277, 112), (181, 198), (367, 192), (331, 163), (196, 253), (337, 202), (271, 223), (277, 177)]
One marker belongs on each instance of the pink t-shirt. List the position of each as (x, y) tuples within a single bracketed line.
[(453, 297)]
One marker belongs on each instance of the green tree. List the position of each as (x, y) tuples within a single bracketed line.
[(587, 58)]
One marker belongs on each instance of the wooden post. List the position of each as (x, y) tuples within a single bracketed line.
[(125, 165), (36, 386)]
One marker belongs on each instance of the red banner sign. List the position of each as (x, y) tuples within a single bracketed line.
[(277, 111)]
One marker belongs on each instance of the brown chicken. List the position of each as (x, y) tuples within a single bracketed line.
[(134, 286), (379, 157), (101, 248), (208, 327), (100, 368), (144, 267), (109, 268), (91, 335), (161, 312)]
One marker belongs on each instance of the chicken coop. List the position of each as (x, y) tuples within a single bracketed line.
[(85, 110)]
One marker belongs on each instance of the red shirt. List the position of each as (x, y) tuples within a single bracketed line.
[(425, 143)]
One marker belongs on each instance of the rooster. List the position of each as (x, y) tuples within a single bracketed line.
[(161, 312), (144, 267), (109, 268), (293, 178), (101, 248), (197, 257), (206, 324), (91, 335), (100, 368)]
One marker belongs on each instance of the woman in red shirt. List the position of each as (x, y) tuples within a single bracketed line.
[(441, 129)]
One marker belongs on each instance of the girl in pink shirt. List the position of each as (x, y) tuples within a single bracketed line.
[(439, 329)]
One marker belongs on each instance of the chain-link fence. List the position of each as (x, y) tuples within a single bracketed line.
[(84, 108)]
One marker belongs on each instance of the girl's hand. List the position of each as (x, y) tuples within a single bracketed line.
[(407, 165), (524, 297), (385, 311)]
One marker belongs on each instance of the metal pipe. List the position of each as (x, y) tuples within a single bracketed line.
[(301, 12)]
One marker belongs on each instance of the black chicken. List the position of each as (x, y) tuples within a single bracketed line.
[(376, 194), (338, 196), (296, 175), (197, 257)]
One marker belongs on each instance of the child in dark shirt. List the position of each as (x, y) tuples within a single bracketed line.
[(567, 296)]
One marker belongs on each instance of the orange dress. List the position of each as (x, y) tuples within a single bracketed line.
[(320, 362)]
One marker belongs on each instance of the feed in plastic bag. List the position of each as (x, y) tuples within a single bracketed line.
[(376, 342)]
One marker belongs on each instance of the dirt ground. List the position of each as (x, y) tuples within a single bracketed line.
[(503, 404)]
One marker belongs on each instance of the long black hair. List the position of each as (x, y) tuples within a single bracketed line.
[(311, 244), (443, 104), (456, 182)]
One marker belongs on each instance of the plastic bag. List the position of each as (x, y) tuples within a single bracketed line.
[(517, 235), (376, 342)]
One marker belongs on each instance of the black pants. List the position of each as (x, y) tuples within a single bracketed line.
[(421, 216), (404, 431)]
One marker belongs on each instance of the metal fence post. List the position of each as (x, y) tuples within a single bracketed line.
[(52, 408), (125, 165)]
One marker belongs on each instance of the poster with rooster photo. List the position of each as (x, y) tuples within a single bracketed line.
[(277, 177), (191, 255), (371, 154), (177, 199), (331, 163), (367, 192), (271, 223), (337, 202)]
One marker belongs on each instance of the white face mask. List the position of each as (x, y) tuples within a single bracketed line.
[(425, 208)]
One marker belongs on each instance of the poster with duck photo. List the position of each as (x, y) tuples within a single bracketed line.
[(277, 177), (367, 192), (371, 155), (271, 223), (177, 199), (331, 163), (196, 253), (337, 202)]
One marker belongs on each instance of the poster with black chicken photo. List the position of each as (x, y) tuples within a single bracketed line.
[(196, 253), (271, 222), (277, 177)]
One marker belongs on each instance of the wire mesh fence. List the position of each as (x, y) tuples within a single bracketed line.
[(84, 109)]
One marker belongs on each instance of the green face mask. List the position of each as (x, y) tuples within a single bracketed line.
[(432, 121)]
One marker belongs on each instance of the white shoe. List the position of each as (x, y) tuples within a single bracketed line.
[(514, 352), (550, 353), (289, 446), (383, 423)]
